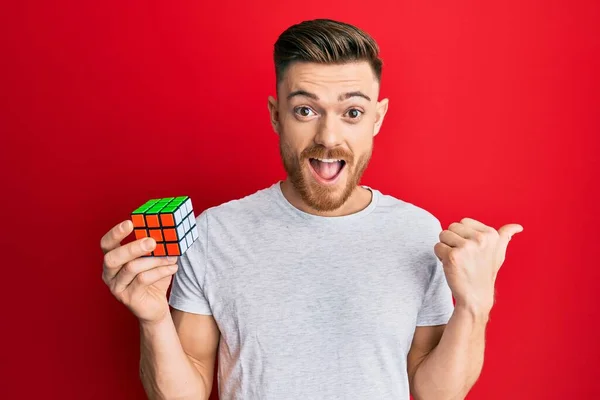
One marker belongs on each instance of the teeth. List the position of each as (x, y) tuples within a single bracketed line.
[(328, 160)]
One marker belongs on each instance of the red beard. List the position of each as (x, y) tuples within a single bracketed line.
[(318, 196)]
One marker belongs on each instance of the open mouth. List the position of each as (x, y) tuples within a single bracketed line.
[(326, 170)]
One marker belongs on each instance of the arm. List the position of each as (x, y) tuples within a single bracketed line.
[(178, 356), (445, 361), (472, 254)]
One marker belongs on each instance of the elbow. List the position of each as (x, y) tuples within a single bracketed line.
[(452, 386), (155, 390), (429, 391), (149, 388), (440, 394), (439, 397)]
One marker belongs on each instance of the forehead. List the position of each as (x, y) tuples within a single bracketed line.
[(328, 80)]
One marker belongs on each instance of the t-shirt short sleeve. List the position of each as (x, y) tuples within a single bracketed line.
[(187, 289), (437, 306)]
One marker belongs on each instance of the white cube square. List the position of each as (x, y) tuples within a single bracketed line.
[(180, 231), (178, 216)]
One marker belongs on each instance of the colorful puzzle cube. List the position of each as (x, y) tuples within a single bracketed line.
[(170, 221)]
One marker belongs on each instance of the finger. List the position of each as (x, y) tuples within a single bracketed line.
[(150, 277), (463, 230), (441, 251), (507, 232), (112, 239), (452, 239), (478, 226), (115, 259), (510, 230), (131, 270)]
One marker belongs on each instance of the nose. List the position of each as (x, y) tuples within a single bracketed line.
[(328, 135)]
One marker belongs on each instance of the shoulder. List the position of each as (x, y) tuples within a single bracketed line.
[(240, 210), (413, 217)]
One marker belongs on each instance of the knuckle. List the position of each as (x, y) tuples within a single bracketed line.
[(126, 268), (103, 244), (109, 259), (454, 225), (144, 278), (117, 295), (471, 246), (479, 238), (454, 256), (131, 268), (112, 288)]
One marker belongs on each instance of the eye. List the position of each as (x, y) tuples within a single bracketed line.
[(303, 111), (354, 113)]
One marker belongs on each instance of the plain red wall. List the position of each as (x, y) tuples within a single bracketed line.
[(494, 114)]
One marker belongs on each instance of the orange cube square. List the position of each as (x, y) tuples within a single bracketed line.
[(169, 221)]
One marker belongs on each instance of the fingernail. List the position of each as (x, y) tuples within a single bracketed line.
[(171, 259), (147, 244)]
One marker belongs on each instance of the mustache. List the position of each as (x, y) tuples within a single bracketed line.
[(322, 152)]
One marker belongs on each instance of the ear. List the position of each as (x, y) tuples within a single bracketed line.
[(274, 114), (381, 110)]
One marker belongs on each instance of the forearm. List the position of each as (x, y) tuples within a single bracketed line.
[(453, 366), (166, 371)]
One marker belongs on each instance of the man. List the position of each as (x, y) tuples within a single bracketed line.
[(316, 287)]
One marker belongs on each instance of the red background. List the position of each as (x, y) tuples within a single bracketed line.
[(493, 115)]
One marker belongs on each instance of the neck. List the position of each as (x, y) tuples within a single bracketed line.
[(358, 200)]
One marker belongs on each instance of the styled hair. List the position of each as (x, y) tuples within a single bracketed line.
[(325, 41)]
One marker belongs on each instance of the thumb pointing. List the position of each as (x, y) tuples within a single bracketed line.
[(507, 231)]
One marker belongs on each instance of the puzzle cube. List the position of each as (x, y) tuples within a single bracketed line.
[(170, 221)]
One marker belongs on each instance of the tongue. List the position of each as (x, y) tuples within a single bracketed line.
[(326, 170)]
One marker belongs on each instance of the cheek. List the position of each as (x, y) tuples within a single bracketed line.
[(295, 137), (361, 142), (290, 147)]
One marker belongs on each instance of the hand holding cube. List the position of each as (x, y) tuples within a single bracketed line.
[(139, 273)]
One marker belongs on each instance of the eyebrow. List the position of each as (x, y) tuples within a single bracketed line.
[(341, 97)]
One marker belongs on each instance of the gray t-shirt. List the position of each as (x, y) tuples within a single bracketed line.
[(314, 307)]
